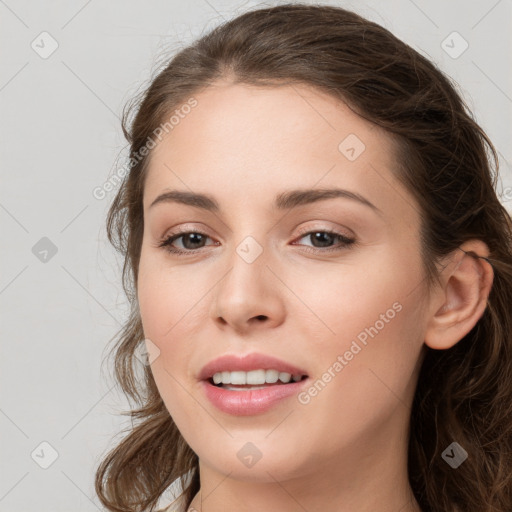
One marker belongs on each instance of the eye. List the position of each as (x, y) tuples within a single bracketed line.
[(192, 241), (324, 237), (195, 240)]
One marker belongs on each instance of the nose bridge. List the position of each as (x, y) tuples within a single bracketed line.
[(247, 263), (249, 289), (249, 242)]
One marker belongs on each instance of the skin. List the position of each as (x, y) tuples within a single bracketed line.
[(346, 449)]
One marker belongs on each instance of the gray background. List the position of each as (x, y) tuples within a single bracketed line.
[(60, 137)]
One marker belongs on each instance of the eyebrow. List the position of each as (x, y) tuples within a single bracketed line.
[(283, 201)]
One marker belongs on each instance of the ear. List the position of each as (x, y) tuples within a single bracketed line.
[(461, 300)]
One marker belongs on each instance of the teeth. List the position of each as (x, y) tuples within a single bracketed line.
[(271, 376), (254, 377), (285, 377)]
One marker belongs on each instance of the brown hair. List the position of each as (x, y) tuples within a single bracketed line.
[(464, 394)]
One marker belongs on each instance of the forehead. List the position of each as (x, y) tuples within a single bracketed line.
[(248, 142)]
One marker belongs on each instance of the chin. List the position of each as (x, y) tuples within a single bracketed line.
[(254, 461)]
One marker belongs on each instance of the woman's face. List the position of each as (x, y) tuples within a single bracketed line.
[(262, 275)]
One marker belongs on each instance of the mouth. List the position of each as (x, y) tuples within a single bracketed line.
[(255, 379), (248, 384)]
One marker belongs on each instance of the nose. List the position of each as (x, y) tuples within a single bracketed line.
[(249, 296)]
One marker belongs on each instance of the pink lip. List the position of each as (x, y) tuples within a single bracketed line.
[(245, 403), (246, 363)]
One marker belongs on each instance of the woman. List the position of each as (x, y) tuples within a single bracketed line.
[(320, 273)]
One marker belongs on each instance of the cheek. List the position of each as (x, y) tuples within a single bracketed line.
[(168, 294), (173, 312), (170, 320), (343, 301), (371, 317)]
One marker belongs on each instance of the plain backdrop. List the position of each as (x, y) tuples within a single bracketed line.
[(67, 69)]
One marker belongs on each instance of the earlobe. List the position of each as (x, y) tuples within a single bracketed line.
[(466, 284)]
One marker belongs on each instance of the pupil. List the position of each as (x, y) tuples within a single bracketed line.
[(318, 236), (193, 236)]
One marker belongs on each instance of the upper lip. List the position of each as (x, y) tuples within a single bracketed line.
[(246, 363)]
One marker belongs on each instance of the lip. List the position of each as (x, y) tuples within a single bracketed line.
[(247, 403), (257, 401), (246, 363)]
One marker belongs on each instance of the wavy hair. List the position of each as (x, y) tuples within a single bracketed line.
[(444, 159)]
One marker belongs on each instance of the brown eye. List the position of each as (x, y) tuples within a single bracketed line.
[(322, 240), (192, 241)]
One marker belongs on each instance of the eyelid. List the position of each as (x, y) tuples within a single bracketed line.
[(308, 229), (188, 228)]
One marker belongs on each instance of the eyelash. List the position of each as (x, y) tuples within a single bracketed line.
[(346, 242)]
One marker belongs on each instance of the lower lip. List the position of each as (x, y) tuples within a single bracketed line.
[(249, 402)]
